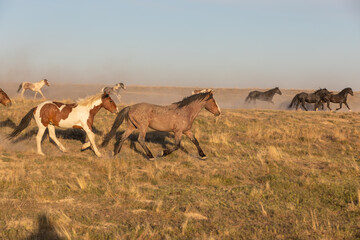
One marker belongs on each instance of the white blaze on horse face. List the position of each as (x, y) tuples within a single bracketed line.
[(62, 107), (218, 108)]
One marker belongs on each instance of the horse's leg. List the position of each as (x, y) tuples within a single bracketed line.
[(91, 137), (125, 135), (177, 144), (118, 97), (22, 93), (39, 138), (35, 95), (141, 140), (87, 144), (41, 93), (339, 107), (328, 105), (54, 138), (347, 106), (303, 105), (190, 135)]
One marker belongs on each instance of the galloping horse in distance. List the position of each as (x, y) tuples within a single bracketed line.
[(340, 98), (177, 118), (36, 87), (262, 96), (114, 90), (77, 115), (315, 97), (4, 99)]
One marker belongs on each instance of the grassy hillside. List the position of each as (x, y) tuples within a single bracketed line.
[(269, 175)]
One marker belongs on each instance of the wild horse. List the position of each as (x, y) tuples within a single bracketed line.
[(262, 96), (315, 97), (177, 118), (77, 115), (36, 87), (340, 98)]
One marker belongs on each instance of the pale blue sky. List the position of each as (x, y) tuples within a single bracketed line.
[(229, 43)]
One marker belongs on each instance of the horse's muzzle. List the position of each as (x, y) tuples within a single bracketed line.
[(9, 104)]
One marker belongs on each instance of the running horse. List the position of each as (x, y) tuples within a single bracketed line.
[(340, 98), (262, 96), (316, 97), (4, 99), (35, 87), (177, 118), (77, 115)]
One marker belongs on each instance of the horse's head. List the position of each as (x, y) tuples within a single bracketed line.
[(4, 99), (108, 103), (350, 91), (211, 104), (46, 82), (196, 91), (121, 85), (278, 91)]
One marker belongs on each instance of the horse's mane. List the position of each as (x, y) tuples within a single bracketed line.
[(89, 100), (320, 89), (344, 90), (196, 97), (272, 89)]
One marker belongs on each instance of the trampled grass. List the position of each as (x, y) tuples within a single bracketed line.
[(269, 175)]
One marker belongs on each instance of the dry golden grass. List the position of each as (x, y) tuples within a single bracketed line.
[(269, 175)]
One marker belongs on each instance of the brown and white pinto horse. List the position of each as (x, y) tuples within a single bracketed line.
[(77, 115), (36, 87), (4, 99), (177, 118)]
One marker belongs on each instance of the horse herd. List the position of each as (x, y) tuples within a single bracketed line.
[(177, 117), (319, 97)]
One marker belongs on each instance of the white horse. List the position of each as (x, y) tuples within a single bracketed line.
[(77, 115), (36, 87)]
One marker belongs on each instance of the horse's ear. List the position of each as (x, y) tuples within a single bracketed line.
[(105, 95)]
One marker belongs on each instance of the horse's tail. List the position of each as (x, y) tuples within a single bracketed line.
[(24, 123), (21, 84), (247, 98), (118, 121), (293, 101)]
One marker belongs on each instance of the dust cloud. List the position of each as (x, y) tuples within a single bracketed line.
[(227, 98)]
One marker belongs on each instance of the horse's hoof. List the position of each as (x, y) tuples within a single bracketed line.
[(203, 158), (151, 158), (42, 154), (350, 110)]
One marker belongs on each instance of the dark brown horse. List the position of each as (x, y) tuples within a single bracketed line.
[(340, 98), (262, 96), (4, 99), (315, 97), (177, 118)]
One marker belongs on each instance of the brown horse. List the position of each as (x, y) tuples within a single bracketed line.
[(36, 87), (177, 118), (77, 115), (4, 99)]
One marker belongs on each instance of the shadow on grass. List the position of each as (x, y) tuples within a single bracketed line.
[(70, 133), (156, 137), (8, 123), (46, 230)]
